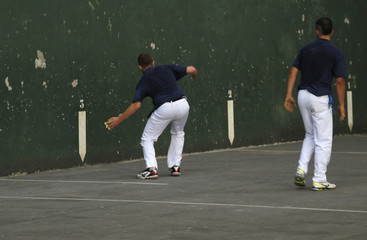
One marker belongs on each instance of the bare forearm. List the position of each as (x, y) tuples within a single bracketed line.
[(129, 111), (291, 81), (289, 102), (340, 90), (115, 121)]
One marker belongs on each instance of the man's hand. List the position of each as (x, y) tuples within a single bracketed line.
[(290, 103), (112, 123), (192, 70), (341, 110), (193, 77)]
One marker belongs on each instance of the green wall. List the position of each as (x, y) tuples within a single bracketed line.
[(91, 48)]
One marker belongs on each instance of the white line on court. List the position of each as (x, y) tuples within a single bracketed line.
[(269, 151), (287, 151), (89, 182), (184, 203)]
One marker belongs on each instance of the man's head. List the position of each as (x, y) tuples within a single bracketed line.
[(324, 27), (145, 61)]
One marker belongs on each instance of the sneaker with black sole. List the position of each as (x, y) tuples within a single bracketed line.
[(175, 171), (299, 179), (148, 173), (322, 186)]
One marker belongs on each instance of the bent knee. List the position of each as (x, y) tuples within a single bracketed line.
[(179, 134), (148, 140)]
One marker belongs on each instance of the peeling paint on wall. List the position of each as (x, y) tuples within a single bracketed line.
[(300, 33), (40, 61), (7, 84), (74, 83), (22, 85), (152, 45), (109, 26)]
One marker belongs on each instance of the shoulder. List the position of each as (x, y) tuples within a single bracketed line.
[(334, 50), (168, 66), (337, 50), (175, 67), (309, 45), (142, 81), (159, 68)]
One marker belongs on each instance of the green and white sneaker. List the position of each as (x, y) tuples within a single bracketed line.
[(299, 179), (323, 186)]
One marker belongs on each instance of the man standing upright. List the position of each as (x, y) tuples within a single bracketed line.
[(170, 106), (319, 62)]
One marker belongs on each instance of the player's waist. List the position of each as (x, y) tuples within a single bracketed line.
[(176, 99), (157, 104)]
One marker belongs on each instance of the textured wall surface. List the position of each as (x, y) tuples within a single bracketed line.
[(58, 58)]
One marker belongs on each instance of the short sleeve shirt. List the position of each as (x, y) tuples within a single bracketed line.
[(160, 83), (319, 62)]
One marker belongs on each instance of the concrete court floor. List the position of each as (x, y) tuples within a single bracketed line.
[(244, 193)]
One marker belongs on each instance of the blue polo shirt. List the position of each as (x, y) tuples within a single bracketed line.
[(319, 62), (160, 83)]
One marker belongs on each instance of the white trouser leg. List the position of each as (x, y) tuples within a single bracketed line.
[(156, 124), (308, 145), (174, 155), (317, 118), (323, 133), (153, 129)]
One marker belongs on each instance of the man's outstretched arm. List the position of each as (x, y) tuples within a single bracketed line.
[(115, 121)]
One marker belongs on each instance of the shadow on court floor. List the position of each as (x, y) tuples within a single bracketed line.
[(245, 193)]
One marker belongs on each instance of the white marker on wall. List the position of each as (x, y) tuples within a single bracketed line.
[(230, 118), (350, 107), (82, 135)]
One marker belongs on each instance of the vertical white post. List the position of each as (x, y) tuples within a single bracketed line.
[(230, 118), (82, 135), (350, 108)]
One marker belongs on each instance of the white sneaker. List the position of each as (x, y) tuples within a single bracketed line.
[(299, 179), (148, 173), (323, 186)]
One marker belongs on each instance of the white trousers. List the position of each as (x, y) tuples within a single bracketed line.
[(171, 112), (318, 122)]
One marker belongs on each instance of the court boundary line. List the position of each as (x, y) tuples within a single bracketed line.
[(77, 181), (183, 203), (293, 151)]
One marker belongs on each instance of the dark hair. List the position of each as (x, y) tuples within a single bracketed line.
[(144, 60), (324, 25)]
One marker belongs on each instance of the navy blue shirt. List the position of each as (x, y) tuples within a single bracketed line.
[(319, 62), (160, 83)]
